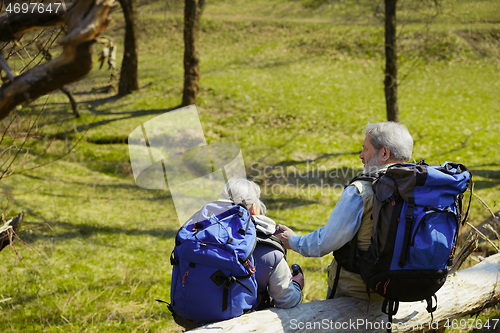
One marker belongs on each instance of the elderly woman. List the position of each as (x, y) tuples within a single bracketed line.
[(276, 285)]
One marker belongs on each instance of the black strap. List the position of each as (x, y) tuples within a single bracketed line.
[(470, 199), (219, 278), (225, 296), (409, 221), (431, 308), (161, 301), (369, 298), (181, 321), (390, 308), (227, 285), (236, 279), (169, 307), (263, 301), (172, 260), (354, 247), (370, 178), (272, 241), (335, 283), (346, 256)]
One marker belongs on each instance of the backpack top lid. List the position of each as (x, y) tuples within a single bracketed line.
[(429, 185), (221, 224)]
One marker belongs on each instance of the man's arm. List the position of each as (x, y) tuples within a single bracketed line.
[(342, 226)]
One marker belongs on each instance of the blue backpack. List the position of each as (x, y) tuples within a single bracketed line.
[(416, 218), (213, 267)]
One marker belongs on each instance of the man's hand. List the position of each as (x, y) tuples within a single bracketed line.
[(287, 232)]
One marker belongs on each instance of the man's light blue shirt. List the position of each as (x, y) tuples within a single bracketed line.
[(342, 226)]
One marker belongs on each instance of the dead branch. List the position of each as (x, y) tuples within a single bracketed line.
[(6, 68), (84, 21), (72, 101), (483, 236), (8, 229), (13, 25), (485, 205), (469, 247), (48, 56)]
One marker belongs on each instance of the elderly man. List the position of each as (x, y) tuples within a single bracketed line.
[(385, 143)]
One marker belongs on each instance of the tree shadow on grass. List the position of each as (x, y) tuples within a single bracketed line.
[(160, 194), (492, 178), (131, 115), (61, 231)]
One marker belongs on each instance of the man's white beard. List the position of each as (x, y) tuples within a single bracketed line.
[(372, 164)]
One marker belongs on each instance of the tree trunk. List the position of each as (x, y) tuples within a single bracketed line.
[(391, 68), (128, 73), (192, 13), (466, 292)]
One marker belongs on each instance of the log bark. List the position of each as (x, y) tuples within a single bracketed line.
[(192, 13), (85, 21), (465, 292), (391, 66)]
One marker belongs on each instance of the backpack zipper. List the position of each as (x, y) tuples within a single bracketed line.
[(422, 220)]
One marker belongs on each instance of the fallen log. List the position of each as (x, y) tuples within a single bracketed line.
[(465, 292)]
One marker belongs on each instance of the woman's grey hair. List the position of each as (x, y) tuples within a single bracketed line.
[(242, 191), (392, 135)]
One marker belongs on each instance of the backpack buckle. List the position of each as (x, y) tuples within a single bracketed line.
[(410, 211), (391, 199)]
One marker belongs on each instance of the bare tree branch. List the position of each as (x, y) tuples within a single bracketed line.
[(72, 101), (4, 66), (85, 21), (469, 247), (13, 25)]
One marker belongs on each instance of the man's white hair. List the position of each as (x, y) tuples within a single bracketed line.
[(242, 191), (394, 136)]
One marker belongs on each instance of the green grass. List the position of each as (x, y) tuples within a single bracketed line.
[(292, 95)]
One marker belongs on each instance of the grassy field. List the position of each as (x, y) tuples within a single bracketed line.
[(293, 89)]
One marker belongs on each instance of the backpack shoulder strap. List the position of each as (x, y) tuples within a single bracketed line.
[(272, 241), (363, 177)]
